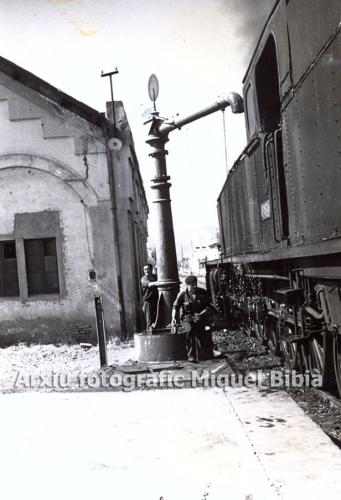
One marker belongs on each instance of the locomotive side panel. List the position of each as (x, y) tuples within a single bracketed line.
[(264, 199), (251, 207), (237, 192), (310, 25), (224, 222), (256, 243), (238, 210), (313, 151)]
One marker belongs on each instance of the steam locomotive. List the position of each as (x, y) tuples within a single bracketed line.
[(280, 208)]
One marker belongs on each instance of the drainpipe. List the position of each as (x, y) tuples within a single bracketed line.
[(107, 136)]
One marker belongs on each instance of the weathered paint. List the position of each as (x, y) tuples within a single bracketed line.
[(132, 212), (54, 177)]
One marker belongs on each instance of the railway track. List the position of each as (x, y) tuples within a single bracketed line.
[(327, 396)]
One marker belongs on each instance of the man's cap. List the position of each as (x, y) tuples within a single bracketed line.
[(191, 279)]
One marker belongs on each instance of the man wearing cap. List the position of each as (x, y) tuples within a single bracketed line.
[(150, 295), (193, 307)]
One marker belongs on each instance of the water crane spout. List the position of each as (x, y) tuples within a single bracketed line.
[(231, 99)]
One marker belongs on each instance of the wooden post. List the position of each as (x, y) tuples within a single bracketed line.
[(102, 345)]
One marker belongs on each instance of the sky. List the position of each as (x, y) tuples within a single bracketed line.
[(199, 50)]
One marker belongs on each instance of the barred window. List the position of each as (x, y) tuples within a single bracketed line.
[(9, 284), (41, 266)]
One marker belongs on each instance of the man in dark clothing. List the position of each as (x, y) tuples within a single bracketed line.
[(193, 307), (150, 295)]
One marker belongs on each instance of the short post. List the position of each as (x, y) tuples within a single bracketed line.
[(102, 345)]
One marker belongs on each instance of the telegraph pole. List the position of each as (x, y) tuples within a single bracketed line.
[(110, 75)]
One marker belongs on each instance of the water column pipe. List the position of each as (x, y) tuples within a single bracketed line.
[(167, 269)]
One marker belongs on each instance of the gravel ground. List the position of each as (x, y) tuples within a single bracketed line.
[(245, 354), (21, 363), (323, 411)]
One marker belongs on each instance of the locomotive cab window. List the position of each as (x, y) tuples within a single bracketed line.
[(250, 110), (268, 88)]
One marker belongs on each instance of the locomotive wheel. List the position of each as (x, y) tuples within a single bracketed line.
[(289, 349), (304, 359), (337, 361), (271, 334), (319, 354), (258, 329), (249, 326)]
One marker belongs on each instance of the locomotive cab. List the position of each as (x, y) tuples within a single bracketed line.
[(263, 123)]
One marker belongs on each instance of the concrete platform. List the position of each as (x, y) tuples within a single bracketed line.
[(188, 444), (297, 456)]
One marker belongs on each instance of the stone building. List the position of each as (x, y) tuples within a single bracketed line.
[(73, 215)]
